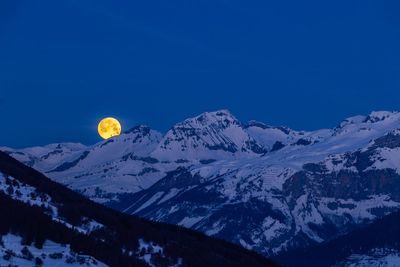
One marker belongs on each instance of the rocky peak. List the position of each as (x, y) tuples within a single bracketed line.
[(144, 129), (221, 119), (140, 134), (215, 134), (377, 116)]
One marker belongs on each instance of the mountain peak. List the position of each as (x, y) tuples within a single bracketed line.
[(219, 113), (210, 135), (222, 117), (139, 129), (377, 116), (373, 117)]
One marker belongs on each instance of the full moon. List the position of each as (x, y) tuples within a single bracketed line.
[(109, 127)]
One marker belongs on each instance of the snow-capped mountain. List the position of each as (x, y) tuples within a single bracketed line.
[(47, 156), (117, 165), (44, 223), (212, 135), (267, 188)]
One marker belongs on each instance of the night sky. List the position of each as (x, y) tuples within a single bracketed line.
[(305, 64)]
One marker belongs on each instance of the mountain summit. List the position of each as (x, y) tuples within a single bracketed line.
[(211, 135)]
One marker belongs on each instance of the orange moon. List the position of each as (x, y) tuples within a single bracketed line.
[(109, 127)]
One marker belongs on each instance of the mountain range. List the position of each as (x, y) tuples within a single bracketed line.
[(46, 224), (270, 189)]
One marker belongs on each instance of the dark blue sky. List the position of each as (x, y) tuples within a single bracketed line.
[(306, 64)]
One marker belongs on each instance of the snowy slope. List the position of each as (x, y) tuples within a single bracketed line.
[(45, 224), (375, 258), (15, 250), (268, 136), (14, 253), (264, 187)]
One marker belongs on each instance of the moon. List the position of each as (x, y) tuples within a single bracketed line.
[(109, 127)]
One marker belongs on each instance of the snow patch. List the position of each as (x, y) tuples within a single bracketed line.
[(51, 255)]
